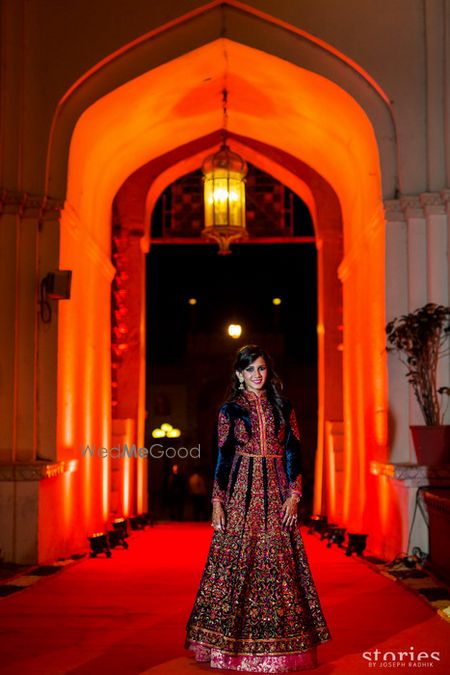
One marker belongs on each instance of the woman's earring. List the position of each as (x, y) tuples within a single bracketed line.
[(241, 386)]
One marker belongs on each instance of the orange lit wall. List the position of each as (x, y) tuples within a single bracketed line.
[(323, 129), (76, 503), (84, 383)]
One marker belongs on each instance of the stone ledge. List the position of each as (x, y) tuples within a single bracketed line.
[(413, 475), (38, 470), (28, 205)]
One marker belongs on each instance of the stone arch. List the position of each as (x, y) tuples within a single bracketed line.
[(139, 193), (175, 104), (237, 22)]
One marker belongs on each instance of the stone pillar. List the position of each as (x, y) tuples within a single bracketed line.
[(437, 246), (438, 270), (29, 240), (8, 282), (130, 376), (417, 279), (428, 268), (362, 272), (417, 251), (142, 464), (417, 272), (329, 336), (334, 469), (397, 304), (47, 346), (29, 244)]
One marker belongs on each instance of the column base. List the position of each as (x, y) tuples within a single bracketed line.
[(406, 480)]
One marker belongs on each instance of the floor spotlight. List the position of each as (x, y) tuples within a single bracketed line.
[(137, 522), (334, 535), (99, 544), (356, 543), (120, 525), (317, 523), (117, 538)]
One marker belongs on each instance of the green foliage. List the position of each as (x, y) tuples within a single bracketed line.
[(421, 339)]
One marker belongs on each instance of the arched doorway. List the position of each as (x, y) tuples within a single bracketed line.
[(289, 117)]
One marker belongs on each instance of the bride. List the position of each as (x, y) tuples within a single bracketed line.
[(257, 608)]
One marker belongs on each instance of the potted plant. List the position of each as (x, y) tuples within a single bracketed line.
[(421, 339)]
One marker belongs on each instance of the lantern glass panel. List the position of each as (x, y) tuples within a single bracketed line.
[(224, 194)]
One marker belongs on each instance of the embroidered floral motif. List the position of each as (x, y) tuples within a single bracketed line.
[(223, 428), (240, 432), (226, 452), (256, 664)]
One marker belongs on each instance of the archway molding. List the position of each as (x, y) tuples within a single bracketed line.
[(239, 23), (325, 130)]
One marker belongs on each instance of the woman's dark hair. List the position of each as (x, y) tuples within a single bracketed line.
[(245, 357)]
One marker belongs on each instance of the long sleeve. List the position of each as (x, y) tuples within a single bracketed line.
[(226, 449), (293, 456)]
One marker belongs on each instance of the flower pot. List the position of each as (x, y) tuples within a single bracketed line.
[(432, 444)]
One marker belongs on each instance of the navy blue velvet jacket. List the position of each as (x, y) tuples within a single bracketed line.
[(234, 431)]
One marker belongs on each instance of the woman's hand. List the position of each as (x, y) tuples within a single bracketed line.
[(289, 512), (218, 516)]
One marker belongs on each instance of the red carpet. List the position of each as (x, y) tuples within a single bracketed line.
[(126, 615)]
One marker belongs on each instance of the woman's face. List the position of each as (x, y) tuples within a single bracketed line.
[(255, 375)]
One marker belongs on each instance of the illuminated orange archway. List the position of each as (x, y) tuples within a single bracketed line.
[(173, 105), (133, 206)]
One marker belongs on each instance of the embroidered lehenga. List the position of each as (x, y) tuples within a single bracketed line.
[(257, 608)]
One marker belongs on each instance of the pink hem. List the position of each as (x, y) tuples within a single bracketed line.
[(255, 663)]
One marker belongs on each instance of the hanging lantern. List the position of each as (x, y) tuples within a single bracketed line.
[(224, 194)]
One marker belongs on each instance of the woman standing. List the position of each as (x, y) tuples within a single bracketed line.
[(257, 607)]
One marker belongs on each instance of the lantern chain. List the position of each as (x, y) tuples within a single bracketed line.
[(225, 116)]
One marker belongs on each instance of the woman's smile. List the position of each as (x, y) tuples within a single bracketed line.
[(255, 375)]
